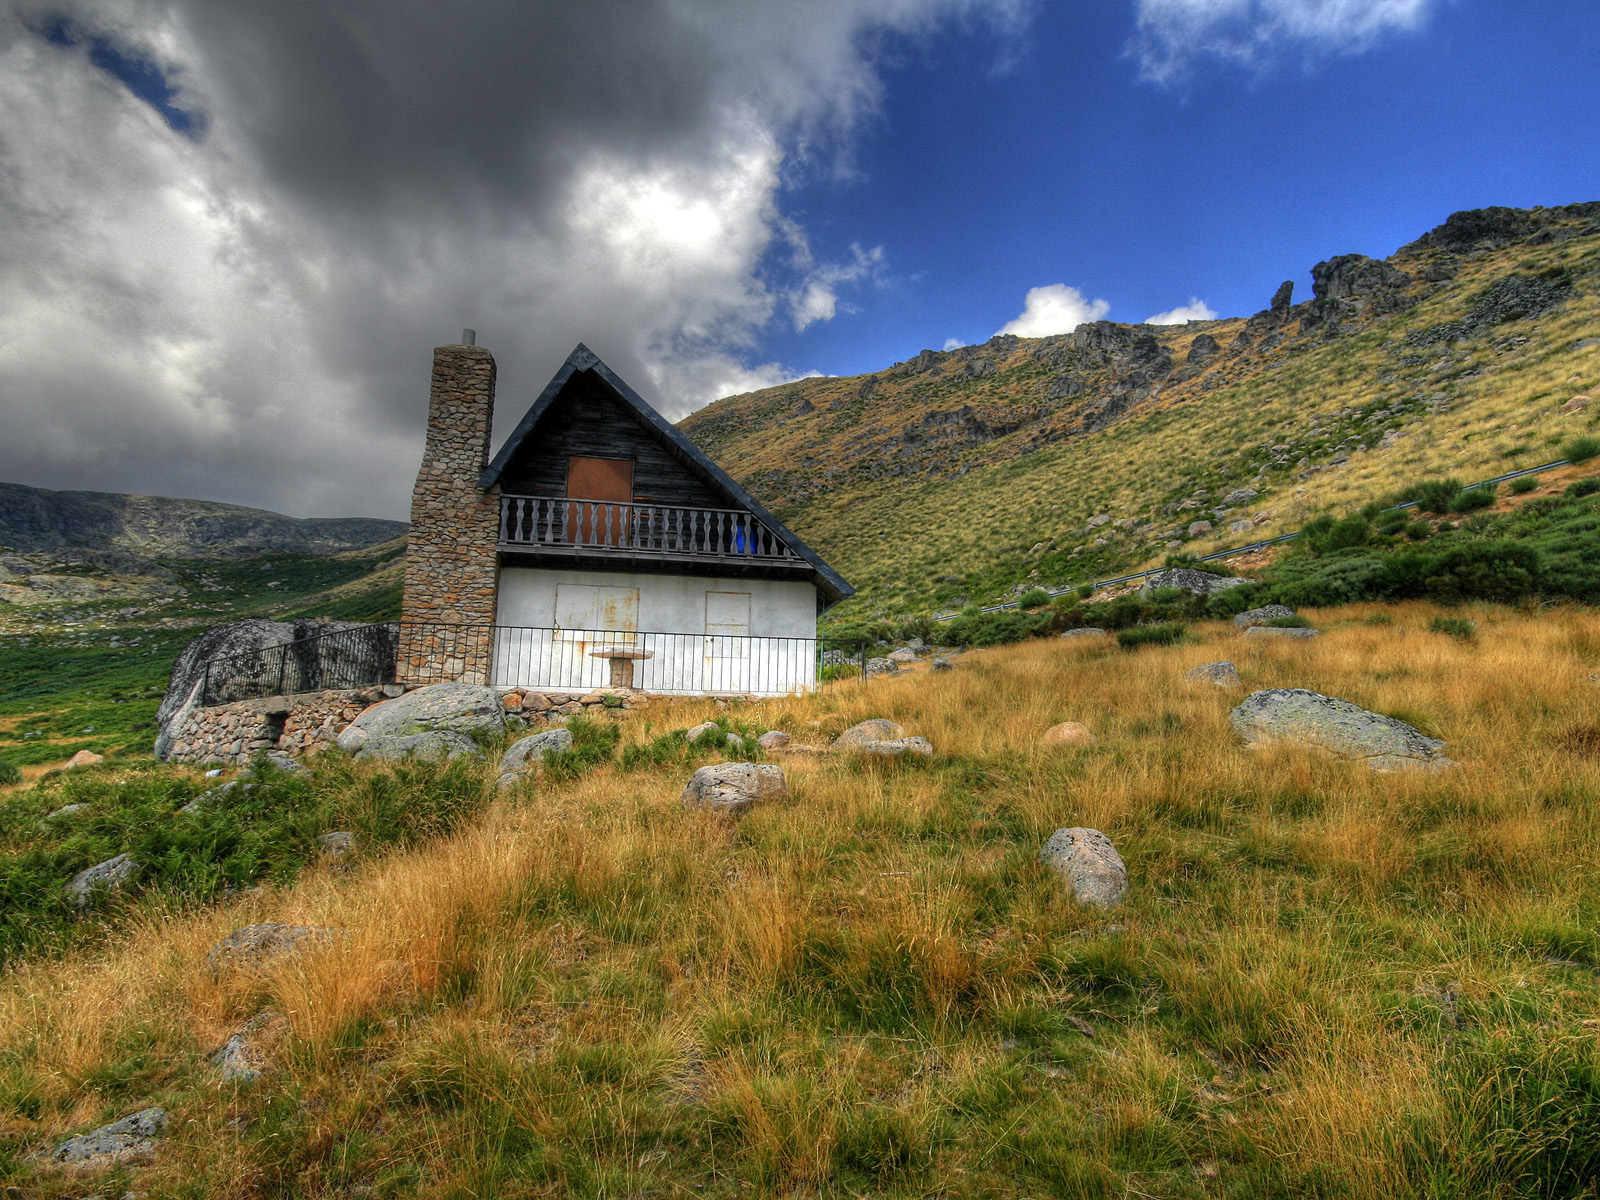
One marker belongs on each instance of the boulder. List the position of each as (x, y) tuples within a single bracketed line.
[(773, 739), (1576, 404), (1089, 863), (882, 666), (430, 722), (734, 787), (1198, 528), (1240, 496), (701, 730), (1260, 616), (1309, 718), (1187, 579), (1068, 733), (896, 747), (279, 760), (83, 758), (1086, 631), (1273, 631), (525, 754), (260, 943), (242, 1061), (337, 844), (903, 655), (132, 1140), (1222, 674), (106, 878), (223, 792), (874, 729), (942, 664)]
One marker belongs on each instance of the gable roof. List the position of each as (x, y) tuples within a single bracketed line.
[(829, 581)]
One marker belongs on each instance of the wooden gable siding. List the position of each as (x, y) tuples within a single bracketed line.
[(585, 420)]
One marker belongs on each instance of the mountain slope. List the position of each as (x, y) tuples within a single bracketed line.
[(967, 473), (35, 519)]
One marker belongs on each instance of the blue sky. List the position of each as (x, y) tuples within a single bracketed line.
[(236, 231), (999, 165)]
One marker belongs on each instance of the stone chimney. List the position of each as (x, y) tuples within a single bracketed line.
[(452, 567)]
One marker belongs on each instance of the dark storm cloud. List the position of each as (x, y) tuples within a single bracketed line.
[(248, 314)]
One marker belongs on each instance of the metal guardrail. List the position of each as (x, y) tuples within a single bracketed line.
[(1250, 547)]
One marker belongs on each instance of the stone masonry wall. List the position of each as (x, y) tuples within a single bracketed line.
[(233, 734), (452, 566)]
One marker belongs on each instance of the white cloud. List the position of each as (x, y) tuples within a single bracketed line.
[(953, 344), (248, 315), (1174, 35), (1055, 308), (1195, 310)]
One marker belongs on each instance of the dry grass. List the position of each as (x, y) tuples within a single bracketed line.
[(1326, 981)]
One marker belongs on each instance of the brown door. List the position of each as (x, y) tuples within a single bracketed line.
[(590, 483)]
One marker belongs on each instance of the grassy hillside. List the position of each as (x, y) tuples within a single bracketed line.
[(1325, 981), (969, 473)]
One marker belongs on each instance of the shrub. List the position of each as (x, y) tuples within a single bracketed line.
[(1523, 484), (1458, 627), (1033, 598), (1150, 635), (1582, 487), (1500, 572), (996, 628), (1085, 591), (1435, 495), (1392, 523), (1418, 530), (1473, 498), (10, 774), (838, 671), (1580, 449)]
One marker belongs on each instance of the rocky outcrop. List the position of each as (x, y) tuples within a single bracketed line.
[(1221, 674), (264, 942), (897, 748), (1187, 579), (131, 1141), (1260, 616), (102, 879), (524, 756), (1309, 718), (1067, 733), (1090, 864), (874, 729), (1271, 632)]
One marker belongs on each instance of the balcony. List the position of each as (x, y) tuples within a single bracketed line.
[(604, 529)]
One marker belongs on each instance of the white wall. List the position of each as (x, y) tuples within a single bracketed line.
[(686, 641)]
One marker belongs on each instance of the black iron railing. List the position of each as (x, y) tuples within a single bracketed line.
[(606, 527), (359, 656)]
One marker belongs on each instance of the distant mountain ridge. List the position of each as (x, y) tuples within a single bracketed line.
[(37, 520)]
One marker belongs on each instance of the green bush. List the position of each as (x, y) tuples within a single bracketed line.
[(1033, 598), (838, 671), (1523, 484), (1580, 449), (1581, 488), (1474, 498), (996, 628), (1151, 635), (10, 774), (1435, 495), (1418, 531), (1458, 627), (1391, 523)]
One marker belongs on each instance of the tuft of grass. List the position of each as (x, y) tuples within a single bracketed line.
[(1169, 634), (1580, 449), (1456, 627)]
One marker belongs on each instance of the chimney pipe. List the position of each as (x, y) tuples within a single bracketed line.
[(469, 337)]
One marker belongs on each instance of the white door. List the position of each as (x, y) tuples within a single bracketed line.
[(727, 641), (591, 619)]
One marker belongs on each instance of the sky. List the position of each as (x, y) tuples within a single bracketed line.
[(231, 234)]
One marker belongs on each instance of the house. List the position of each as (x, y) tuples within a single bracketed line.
[(599, 548)]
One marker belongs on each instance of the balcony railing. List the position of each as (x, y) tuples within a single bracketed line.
[(607, 527)]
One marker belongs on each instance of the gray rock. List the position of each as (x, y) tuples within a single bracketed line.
[(1337, 726), (256, 944), (733, 742), (223, 792), (773, 739), (105, 878), (1240, 496), (1197, 528), (1223, 674), (278, 760), (1260, 616), (895, 747), (1086, 631), (734, 787), (132, 1140), (916, 644), (526, 753), (1187, 579), (703, 728), (430, 722), (903, 655), (240, 1061), (66, 810), (942, 664), (1089, 863), (337, 843), (882, 666), (1273, 631), (874, 729)]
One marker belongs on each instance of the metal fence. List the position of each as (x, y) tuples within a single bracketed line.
[(358, 656), (669, 664)]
